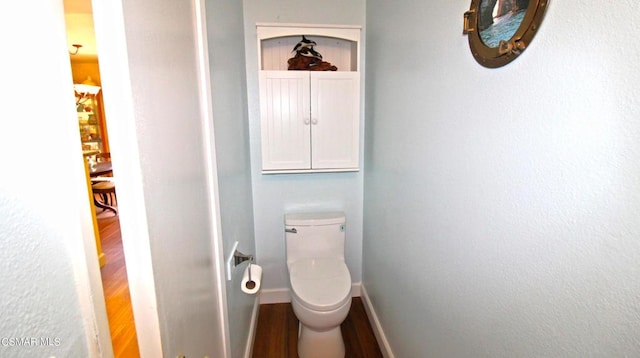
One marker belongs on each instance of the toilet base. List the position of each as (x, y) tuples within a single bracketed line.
[(320, 344)]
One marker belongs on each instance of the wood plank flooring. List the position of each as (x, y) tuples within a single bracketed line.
[(116, 290), (277, 333)]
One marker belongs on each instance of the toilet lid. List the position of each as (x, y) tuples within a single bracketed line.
[(320, 284)]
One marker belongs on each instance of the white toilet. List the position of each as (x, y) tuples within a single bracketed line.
[(320, 281)]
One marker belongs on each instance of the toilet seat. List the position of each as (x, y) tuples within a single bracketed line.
[(320, 284)]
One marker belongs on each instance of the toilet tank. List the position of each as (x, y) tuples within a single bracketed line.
[(315, 235)]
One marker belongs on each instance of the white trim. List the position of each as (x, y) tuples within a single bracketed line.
[(307, 171), (211, 167), (269, 31), (283, 295), (116, 84), (283, 24), (383, 343), (248, 352), (356, 289), (274, 295)]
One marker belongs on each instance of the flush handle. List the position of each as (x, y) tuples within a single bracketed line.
[(292, 230)]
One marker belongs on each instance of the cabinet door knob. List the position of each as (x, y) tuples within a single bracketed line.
[(306, 121), (314, 120)]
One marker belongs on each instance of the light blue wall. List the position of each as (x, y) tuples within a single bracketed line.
[(501, 206), (275, 195), (226, 56)]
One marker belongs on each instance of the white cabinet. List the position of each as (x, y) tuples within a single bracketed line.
[(310, 120)]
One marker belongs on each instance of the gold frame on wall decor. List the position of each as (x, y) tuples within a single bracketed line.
[(506, 50)]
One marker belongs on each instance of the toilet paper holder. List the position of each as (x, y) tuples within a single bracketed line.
[(239, 257), (234, 259), (247, 281)]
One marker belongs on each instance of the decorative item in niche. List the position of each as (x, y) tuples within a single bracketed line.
[(307, 58), (500, 30)]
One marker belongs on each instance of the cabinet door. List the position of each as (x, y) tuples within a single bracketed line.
[(285, 120), (335, 119)]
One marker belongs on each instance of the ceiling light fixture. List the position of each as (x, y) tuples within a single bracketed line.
[(86, 90), (77, 46)]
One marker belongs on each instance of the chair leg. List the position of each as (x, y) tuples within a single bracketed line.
[(105, 198), (104, 204)]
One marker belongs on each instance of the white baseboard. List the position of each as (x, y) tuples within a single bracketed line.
[(248, 351), (375, 324), (282, 295), (355, 289), (274, 295)]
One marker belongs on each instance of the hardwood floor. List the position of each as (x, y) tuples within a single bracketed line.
[(277, 333), (116, 290)]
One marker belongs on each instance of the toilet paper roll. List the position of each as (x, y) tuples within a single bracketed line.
[(251, 286)]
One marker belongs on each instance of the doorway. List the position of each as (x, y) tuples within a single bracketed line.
[(94, 135), (160, 253)]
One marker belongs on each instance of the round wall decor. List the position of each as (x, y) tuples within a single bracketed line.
[(500, 30)]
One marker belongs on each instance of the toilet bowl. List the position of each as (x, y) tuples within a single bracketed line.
[(321, 298), (320, 282)]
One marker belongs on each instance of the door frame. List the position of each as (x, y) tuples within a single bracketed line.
[(109, 24), (116, 83)]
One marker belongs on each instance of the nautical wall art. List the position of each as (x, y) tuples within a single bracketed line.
[(500, 30)]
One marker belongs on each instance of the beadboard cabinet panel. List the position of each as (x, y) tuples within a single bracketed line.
[(285, 119), (335, 107)]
